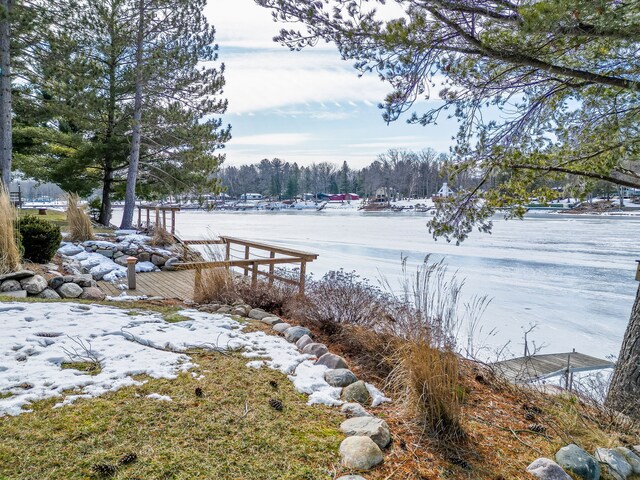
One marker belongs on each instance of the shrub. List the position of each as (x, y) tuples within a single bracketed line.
[(161, 238), (9, 251), (40, 239), (80, 228)]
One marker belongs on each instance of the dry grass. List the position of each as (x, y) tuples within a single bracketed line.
[(80, 227), (161, 238), (9, 252), (216, 285)]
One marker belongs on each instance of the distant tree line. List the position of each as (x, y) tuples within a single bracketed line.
[(401, 173)]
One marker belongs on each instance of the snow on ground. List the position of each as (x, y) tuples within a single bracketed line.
[(38, 338)]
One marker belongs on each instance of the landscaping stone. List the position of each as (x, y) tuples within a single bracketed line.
[(374, 428), (169, 264), (294, 334), (70, 290), (578, 462), (340, 377), (92, 293), (360, 453), (619, 468), (271, 320), (315, 349), (238, 311), (144, 257), (34, 285), (547, 469), (10, 286), (637, 449), (19, 275), (281, 327), (158, 260), (357, 392), (303, 342), (225, 309), (56, 282), (84, 281), (70, 250), (105, 252), (258, 314), (122, 261), (16, 294), (351, 477), (352, 410), (49, 294), (331, 360), (631, 457)]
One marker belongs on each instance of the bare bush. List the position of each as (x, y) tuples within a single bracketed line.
[(9, 251), (80, 227)]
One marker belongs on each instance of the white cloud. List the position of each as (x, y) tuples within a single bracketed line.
[(273, 139)]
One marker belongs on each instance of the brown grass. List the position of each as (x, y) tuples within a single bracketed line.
[(216, 285), (9, 252), (161, 238), (80, 227)]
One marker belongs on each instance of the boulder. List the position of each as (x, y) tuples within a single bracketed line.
[(19, 275), (105, 252), (84, 281), (331, 360), (122, 261), (354, 410), (56, 282), (578, 462), (258, 314), (631, 457), (547, 469), (225, 309), (170, 264), (374, 428), (16, 294), (271, 320), (49, 294), (143, 257), (70, 290), (10, 286), (340, 377), (357, 392), (294, 334), (158, 260), (637, 449), (70, 250), (303, 342), (315, 349), (281, 327), (238, 311), (360, 453), (351, 477), (619, 468), (92, 293), (34, 285)]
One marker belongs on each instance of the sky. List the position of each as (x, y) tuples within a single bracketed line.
[(303, 107)]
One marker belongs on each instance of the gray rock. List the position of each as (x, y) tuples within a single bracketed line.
[(331, 360), (143, 257), (84, 281), (105, 252), (360, 453), (118, 254), (352, 410), (271, 320), (281, 327), (92, 293), (340, 377), (19, 275), (351, 477), (169, 265), (578, 462), (631, 457), (637, 449), (70, 290), (158, 260), (34, 285), (315, 349), (56, 282), (294, 334), (122, 261), (16, 294), (547, 469), (238, 311), (619, 468), (374, 428), (225, 309), (49, 294), (10, 286), (303, 342), (357, 392), (258, 314)]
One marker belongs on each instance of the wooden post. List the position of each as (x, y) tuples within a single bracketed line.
[(227, 254), (303, 275), (139, 216), (131, 272), (173, 221), (246, 257), (164, 219), (272, 268), (254, 275)]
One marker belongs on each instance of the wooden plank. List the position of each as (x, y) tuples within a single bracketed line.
[(271, 248), (245, 264)]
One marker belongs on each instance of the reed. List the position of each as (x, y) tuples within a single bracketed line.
[(80, 227), (9, 250)]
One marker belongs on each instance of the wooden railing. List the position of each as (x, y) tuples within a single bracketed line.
[(160, 217), (249, 256)]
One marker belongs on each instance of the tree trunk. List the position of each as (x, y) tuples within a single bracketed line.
[(134, 158), (5, 93), (105, 207), (624, 392)]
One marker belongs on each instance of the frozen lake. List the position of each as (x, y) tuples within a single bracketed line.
[(573, 276)]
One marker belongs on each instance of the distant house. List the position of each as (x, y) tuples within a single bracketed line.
[(250, 196), (338, 197)]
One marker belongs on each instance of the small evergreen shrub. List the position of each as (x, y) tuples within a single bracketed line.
[(40, 238)]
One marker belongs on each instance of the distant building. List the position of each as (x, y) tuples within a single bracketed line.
[(338, 197), (250, 196)]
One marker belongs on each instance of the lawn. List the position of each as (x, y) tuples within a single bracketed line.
[(229, 432), (56, 217)]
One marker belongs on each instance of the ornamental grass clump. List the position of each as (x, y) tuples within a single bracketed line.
[(80, 227), (9, 251)]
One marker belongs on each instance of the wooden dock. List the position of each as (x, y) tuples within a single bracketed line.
[(540, 367), (167, 284)]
